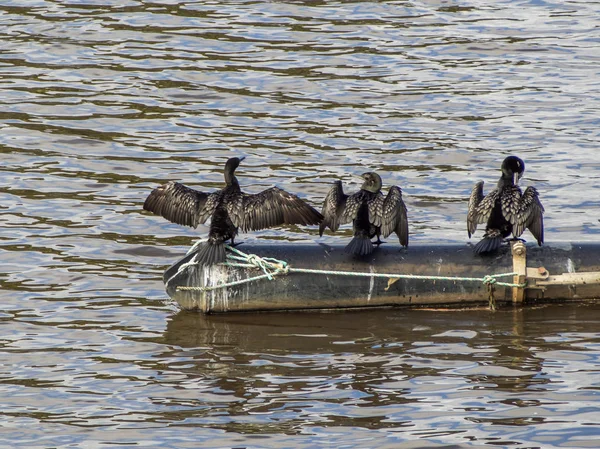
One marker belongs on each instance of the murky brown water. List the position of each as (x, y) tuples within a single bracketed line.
[(102, 100)]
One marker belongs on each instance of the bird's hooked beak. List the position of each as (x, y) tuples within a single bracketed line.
[(362, 177), (518, 177)]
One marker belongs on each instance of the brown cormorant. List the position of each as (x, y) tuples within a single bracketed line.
[(371, 214), (505, 209), (229, 210)]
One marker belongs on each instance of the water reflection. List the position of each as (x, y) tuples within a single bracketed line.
[(378, 369)]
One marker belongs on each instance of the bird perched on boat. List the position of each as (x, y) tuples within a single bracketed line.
[(229, 210), (371, 214), (505, 210)]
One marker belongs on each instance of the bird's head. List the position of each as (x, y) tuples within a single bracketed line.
[(372, 182), (233, 163), (230, 166), (512, 166)]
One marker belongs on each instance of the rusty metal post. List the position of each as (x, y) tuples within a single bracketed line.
[(519, 257)]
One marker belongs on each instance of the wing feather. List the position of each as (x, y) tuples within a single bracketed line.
[(375, 208), (480, 207), (353, 204), (510, 200), (527, 211), (235, 209), (394, 215), (333, 208), (271, 207), (180, 204)]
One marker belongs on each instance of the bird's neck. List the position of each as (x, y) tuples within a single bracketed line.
[(230, 179), (506, 180)]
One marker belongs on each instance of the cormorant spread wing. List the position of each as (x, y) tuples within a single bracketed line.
[(375, 208), (480, 207), (229, 209), (180, 204), (370, 212), (526, 212), (271, 207), (505, 210), (352, 205), (388, 213), (340, 209), (333, 208), (393, 216)]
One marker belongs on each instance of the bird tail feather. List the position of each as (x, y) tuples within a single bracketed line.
[(488, 245), (210, 253), (360, 246)]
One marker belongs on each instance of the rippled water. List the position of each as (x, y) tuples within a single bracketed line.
[(102, 100)]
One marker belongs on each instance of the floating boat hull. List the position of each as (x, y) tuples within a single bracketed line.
[(555, 272)]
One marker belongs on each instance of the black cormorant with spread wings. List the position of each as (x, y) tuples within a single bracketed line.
[(371, 214), (229, 210), (505, 210)]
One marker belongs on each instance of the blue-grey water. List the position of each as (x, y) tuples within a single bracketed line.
[(102, 100)]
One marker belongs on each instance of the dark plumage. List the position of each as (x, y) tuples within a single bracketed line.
[(505, 209), (229, 210), (371, 214)]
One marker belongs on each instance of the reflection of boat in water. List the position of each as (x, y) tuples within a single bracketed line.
[(381, 353), (412, 372), (554, 272)]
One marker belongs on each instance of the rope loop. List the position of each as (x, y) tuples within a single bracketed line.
[(489, 279), (254, 259)]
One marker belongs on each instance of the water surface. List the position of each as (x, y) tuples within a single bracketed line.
[(100, 101)]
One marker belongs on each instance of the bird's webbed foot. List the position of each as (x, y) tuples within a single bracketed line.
[(233, 244), (378, 242)]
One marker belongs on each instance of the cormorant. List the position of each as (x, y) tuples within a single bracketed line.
[(505, 209), (370, 212), (229, 210)]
